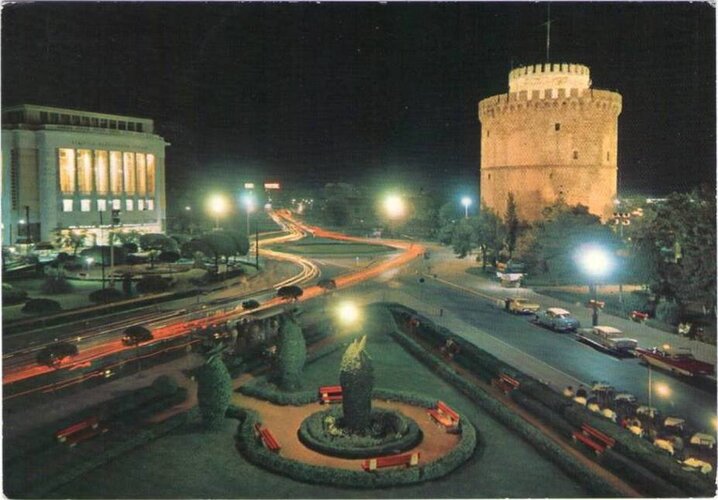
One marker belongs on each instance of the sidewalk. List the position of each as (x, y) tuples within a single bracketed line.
[(452, 271)]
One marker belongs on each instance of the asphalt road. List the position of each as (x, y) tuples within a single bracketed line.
[(562, 351)]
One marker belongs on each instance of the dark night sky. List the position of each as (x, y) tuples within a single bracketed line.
[(361, 92)]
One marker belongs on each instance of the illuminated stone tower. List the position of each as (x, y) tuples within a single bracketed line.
[(551, 136)]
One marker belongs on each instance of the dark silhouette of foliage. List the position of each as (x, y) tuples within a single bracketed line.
[(291, 292), (356, 376), (41, 306), (250, 304), (291, 354), (214, 389), (106, 295)]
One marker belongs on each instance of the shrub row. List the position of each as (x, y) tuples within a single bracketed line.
[(261, 388), (259, 455), (640, 477), (593, 483), (312, 434)]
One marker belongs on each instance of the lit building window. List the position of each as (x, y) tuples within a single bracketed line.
[(101, 205), (116, 172), (140, 205), (66, 162), (84, 170), (116, 204), (84, 205), (128, 162), (129, 205), (141, 174), (150, 204), (67, 205), (102, 180), (151, 174)]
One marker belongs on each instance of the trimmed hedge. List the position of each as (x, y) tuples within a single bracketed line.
[(259, 455), (312, 434)]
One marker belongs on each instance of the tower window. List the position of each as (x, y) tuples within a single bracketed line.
[(575, 155), (557, 126), (488, 133), (608, 155), (489, 177)]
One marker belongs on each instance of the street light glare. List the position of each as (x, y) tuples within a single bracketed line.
[(466, 201), (595, 261), (348, 313), (217, 204), (662, 390), (394, 206)]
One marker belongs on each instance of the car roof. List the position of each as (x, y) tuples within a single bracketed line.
[(557, 310), (607, 329)]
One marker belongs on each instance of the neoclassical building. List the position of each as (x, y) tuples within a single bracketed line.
[(66, 170), (552, 135)]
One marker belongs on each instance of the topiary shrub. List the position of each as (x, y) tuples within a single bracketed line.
[(152, 284), (41, 306), (55, 285), (106, 295), (214, 391), (668, 312), (12, 295), (356, 376), (291, 355)]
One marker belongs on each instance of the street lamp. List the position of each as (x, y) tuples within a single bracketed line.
[(348, 313), (394, 206), (218, 206), (466, 201), (596, 262), (249, 206)]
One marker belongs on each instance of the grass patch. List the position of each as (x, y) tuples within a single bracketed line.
[(320, 246)]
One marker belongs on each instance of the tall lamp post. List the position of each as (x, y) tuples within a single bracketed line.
[(596, 263), (395, 208), (466, 201)]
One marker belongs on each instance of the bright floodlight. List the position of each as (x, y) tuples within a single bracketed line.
[(595, 261), (662, 390), (348, 313), (89, 260), (394, 206), (466, 201), (217, 204), (248, 202)]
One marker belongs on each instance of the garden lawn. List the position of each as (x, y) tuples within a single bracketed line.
[(325, 247), (190, 464)]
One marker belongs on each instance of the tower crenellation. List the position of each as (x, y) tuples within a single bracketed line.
[(551, 135)]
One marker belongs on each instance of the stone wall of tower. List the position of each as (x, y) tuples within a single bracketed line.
[(548, 140)]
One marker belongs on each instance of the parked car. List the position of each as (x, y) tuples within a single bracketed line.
[(136, 334), (677, 361), (520, 306), (557, 319), (607, 338), (56, 354)]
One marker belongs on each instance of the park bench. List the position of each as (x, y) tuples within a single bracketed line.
[(444, 415), (408, 459), (638, 316), (81, 431), (330, 394), (506, 383), (594, 439), (270, 442)]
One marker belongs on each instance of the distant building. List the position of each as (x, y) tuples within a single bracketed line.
[(66, 170), (552, 136)]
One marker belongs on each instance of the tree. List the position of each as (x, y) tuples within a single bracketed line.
[(214, 389), (448, 215), (336, 212), (291, 292), (156, 243), (512, 224), (74, 238), (356, 376), (462, 240), (291, 354), (489, 233)]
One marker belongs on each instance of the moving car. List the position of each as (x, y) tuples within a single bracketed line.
[(679, 361), (136, 334), (557, 319), (56, 354), (607, 338), (520, 306)]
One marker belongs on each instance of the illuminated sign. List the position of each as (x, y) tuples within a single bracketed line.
[(271, 185), (249, 185)]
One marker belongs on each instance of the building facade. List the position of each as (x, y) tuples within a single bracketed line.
[(552, 136), (66, 170)]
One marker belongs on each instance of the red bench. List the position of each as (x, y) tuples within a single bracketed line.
[(444, 415), (270, 442), (81, 431), (330, 394), (639, 316), (594, 439), (408, 459), (506, 383)]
